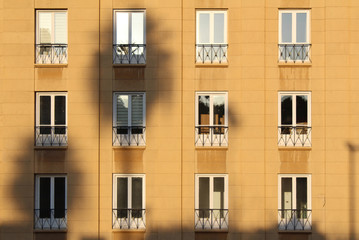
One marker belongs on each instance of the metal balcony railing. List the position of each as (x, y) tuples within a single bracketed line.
[(129, 53), (295, 219), (129, 136), (50, 219), (211, 219), (211, 136), (51, 135), (211, 53), (51, 53), (294, 136), (128, 218), (294, 52)]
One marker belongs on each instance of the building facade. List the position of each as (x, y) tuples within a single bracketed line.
[(179, 119)]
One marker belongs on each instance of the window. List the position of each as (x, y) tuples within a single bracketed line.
[(294, 205), (211, 201), (211, 43), (294, 121), (51, 119), (129, 122), (211, 119), (294, 35), (51, 36), (129, 40), (50, 202), (129, 211)]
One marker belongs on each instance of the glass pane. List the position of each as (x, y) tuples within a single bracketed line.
[(60, 197), (137, 28), (137, 197), (45, 206), (219, 28), (60, 28), (122, 27), (60, 110), (302, 193), (286, 110), (218, 110), (218, 195), (45, 110), (45, 27), (203, 28), (286, 193), (302, 110), (137, 110), (286, 27), (203, 203), (122, 197), (301, 27), (122, 110), (203, 110)]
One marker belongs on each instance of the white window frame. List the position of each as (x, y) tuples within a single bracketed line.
[(211, 191), (128, 223), (47, 222), (50, 53), (216, 141), (52, 11), (294, 25), (294, 140), (45, 139), (291, 225), (128, 138), (211, 25), (139, 52)]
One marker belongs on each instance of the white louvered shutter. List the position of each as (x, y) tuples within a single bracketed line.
[(122, 110), (137, 110), (60, 24)]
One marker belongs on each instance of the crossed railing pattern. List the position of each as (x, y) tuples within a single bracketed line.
[(128, 218), (129, 136), (51, 53), (50, 219), (129, 53), (294, 219), (51, 135), (211, 218), (294, 52), (211, 136), (293, 136), (211, 53)]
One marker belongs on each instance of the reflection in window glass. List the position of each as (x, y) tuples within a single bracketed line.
[(286, 110), (219, 28), (204, 28), (203, 110), (218, 109), (286, 27), (301, 27), (302, 109)]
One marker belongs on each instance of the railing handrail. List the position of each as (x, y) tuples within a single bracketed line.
[(129, 220), (129, 138), (134, 54), (289, 52), (289, 136), (297, 219), (211, 53), (51, 53), (216, 219), (51, 44), (211, 135), (51, 222), (52, 138)]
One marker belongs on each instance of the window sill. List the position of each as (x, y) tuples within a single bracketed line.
[(38, 65), (129, 147), (211, 230), (115, 65), (129, 230), (50, 147), (213, 65), (295, 231), (50, 230), (296, 64), (211, 148), (283, 148)]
